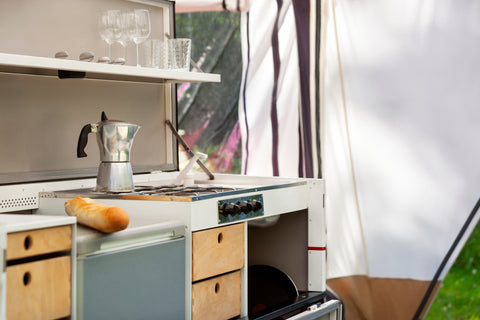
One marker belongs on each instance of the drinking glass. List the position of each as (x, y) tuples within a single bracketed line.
[(138, 27), (124, 36), (110, 26), (154, 53), (178, 54)]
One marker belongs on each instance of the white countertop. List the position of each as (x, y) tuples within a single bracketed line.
[(22, 222)]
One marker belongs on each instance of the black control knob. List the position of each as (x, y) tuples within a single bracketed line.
[(230, 209), (256, 205), (245, 206)]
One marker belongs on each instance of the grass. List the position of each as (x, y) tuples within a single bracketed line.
[(459, 294)]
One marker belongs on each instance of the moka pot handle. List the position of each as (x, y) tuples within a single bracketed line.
[(83, 140)]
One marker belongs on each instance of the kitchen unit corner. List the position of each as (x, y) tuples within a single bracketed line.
[(40, 266)]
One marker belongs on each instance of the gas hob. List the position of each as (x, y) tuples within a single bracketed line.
[(167, 192)]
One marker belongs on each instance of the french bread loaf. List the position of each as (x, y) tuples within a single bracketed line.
[(97, 215)]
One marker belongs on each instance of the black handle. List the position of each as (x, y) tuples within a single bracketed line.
[(104, 116), (83, 140)]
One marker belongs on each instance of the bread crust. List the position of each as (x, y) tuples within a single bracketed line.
[(97, 215)]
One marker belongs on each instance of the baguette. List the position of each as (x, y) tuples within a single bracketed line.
[(97, 215)]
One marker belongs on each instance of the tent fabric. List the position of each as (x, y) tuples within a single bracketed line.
[(182, 6), (398, 123), (275, 106), (400, 147), (399, 153)]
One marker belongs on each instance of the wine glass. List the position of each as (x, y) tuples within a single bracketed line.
[(138, 27), (110, 26), (124, 36)]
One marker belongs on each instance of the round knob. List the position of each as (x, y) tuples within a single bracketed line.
[(256, 205), (245, 206), (230, 209)]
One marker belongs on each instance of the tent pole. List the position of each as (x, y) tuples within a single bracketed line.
[(454, 245)]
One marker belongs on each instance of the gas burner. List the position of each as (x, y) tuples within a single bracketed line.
[(153, 188), (175, 190)]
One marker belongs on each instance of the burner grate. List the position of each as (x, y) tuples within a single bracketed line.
[(173, 190)]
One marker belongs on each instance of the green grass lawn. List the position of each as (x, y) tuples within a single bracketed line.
[(459, 295)]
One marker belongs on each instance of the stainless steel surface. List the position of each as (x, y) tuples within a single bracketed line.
[(115, 139), (115, 177)]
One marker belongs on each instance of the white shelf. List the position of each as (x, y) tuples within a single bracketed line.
[(14, 63)]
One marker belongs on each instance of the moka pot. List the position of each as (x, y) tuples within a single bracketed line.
[(114, 140)]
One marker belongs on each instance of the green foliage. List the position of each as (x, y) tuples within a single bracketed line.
[(459, 294)]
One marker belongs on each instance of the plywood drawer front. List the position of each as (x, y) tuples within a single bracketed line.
[(39, 290), (217, 251), (217, 298), (40, 241)]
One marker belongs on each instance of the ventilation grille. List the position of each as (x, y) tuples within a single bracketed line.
[(19, 203)]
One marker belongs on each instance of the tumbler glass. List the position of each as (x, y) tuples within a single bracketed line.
[(178, 54), (154, 51)]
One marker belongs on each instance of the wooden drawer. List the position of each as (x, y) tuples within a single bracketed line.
[(217, 251), (40, 241), (217, 298), (39, 290)]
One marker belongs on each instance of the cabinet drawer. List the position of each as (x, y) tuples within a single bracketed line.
[(40, 241), (39, 290), (217, 298), (217, 251)]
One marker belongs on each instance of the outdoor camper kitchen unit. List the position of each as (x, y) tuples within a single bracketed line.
[(201, 246)]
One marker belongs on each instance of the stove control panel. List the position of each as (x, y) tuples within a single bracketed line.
[(240, 208)]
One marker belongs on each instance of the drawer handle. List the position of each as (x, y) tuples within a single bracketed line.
[(217, 287), (27, 278), (27, 243), (220, 237)]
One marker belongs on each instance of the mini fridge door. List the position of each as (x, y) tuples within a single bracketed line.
[(143, 282)]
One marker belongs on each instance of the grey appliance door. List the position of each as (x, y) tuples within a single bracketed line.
[(145, 282)]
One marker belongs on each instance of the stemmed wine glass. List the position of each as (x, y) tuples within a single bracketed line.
[(124, 36), (138, 27), (110, 26)]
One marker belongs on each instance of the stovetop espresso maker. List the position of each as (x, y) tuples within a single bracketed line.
[(114, 140)]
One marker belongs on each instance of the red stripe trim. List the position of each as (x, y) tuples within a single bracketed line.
[(317, 248)]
